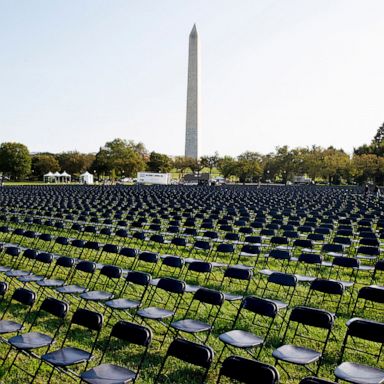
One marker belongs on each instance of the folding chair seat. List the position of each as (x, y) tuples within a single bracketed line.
[(104, 373), (189, 352), (370, 333), (255, 314), (196, 320), (248, 371), (27, 343), (320, 289), (305, 319), (86, 323)]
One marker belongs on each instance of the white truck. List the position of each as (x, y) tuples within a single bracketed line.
[(153, 178)]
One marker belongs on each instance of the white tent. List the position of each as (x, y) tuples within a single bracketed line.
[(86, 178), (48, 177), (65, 177), (57, 177)]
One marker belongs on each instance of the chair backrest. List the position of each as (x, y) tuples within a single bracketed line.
[(372, 293), (209, 296), (24, 296), (284, 279), (200, 267), (86, 266), (248, 371), (238, 273), (132, 333), (330, 287), (366, 329), (139, 278), (312, 317), (192, 353), (171, 285), (260, 306), (88, 319), (55, 307)]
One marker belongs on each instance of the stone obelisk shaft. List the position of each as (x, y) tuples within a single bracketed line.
[(192, 123)]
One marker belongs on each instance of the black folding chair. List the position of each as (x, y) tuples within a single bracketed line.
[(255, 314), (248, 371), (105, 373), (189, 352), (300, 321), (52, 313), (364, 338), (66, 357), (201, 314)]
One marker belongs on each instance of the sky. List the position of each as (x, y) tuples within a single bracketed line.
[(75, 74)]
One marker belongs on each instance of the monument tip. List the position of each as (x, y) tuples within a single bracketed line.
[(194, 30)]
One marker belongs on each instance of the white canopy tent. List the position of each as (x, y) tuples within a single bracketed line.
[(57, 177), (86, 178)]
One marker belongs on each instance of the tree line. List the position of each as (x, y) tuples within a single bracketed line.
[(121, 158)]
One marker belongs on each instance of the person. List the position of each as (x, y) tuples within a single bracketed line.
[(377, 191), (366, 190)]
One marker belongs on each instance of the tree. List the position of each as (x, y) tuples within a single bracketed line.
[(15, 160), (366, 166), (44, 163), (75, 162), (249, 166), (119, 157), (379, 136), (159, 162), (227, 166), (210, 162), (181, 163)]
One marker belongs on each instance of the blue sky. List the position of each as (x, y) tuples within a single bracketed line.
[(77, 73)]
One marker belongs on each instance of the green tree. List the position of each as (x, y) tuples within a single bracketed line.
[(379, 136), (249, 167), (44, 163), (210, 162), (75, 162), (119, 157), (159, 162), (15, 160), (181, 163), (227, 166)]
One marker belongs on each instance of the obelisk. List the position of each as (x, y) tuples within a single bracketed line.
[(193, 97)]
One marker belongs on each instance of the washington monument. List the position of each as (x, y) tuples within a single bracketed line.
[(193, 97)]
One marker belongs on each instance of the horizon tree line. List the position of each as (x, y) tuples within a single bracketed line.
[(124, 158)]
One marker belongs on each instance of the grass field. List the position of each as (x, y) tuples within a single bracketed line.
[(176, 372)]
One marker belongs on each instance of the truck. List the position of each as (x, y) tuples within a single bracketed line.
[(153, 178)]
